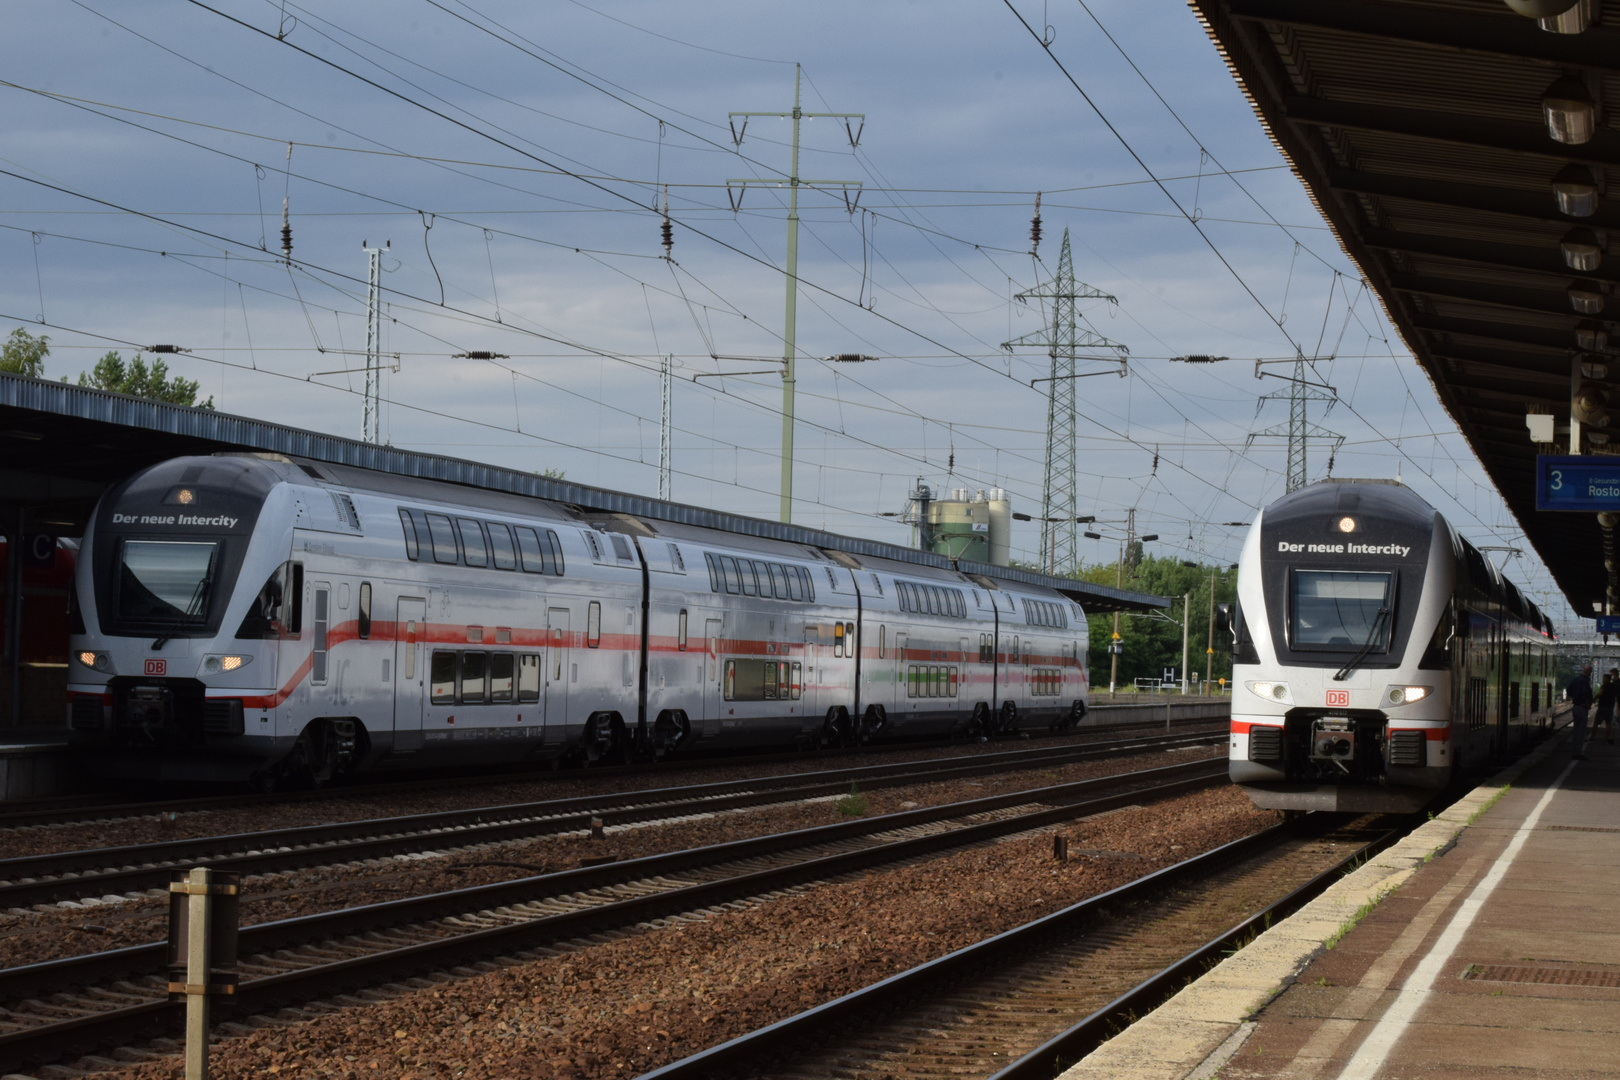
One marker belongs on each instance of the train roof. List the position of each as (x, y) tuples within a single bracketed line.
[(1387, 500), (83, 440)]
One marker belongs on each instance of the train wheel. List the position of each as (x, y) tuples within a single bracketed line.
[(1076, 714), (1009, 718), (604, 740), (979, 725), (872, 722)]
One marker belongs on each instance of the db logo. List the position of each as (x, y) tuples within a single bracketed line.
[(1339, 699), (161, 667)]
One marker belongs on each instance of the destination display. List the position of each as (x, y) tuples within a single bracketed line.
[(1608, 624), (1577, 483)]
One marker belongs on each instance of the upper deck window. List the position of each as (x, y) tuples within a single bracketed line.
[(1339, 609)]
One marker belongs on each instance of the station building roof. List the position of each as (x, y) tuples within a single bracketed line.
[(1417, 127), (62, 445)]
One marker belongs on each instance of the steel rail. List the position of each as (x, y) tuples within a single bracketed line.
[(1062, 1051), (87, 809), (925, 979), (56, 876), (59, 1041)]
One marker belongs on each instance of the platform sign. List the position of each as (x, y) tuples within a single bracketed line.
[(1584, 484), (1608, 624)]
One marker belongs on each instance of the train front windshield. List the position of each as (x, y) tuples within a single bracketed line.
[(1339, 609), (166, 580)]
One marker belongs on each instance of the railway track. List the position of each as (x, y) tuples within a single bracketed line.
[(120, 872), (90, 808), (57, 1010), (1027, 1003)]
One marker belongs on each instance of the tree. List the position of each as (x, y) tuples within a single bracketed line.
[(134, 377), (24, 354), (1153, 641)]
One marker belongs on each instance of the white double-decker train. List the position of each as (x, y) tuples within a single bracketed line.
[(258, 618), (1377, 653)]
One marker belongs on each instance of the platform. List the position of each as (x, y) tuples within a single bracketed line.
[(35, 763), (1487, 943)]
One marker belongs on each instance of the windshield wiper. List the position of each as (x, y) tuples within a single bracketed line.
[(195, 609), (1367, 646)]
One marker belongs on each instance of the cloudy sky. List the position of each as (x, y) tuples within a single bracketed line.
[(514, 158)]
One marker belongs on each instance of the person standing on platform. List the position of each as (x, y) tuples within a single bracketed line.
[(1603, 718), (1579, 692)]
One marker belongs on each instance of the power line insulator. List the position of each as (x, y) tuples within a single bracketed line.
[(667, 229), (1035, 227)]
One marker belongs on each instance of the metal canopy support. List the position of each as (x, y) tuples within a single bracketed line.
[(14, 612)]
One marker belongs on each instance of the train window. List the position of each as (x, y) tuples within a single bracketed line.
[(528, 677), (771, 672), (443, 535), (530, 551), (794, 584), (1339, 609), (278, 609), (778, 581), (442, 678), (1015, 649), (593, 625), (883, 642), (798, 677), (714, 572), (556, 552), (745, 570), (680, 634), (411, 550), (953, 681), (317, 670), (730, 574), (474, 678), (365, 610), (936, 600), (730, 685), (472, 542), (501, 551), (961, 604), (809, 585), (621, 547), (502, 676)]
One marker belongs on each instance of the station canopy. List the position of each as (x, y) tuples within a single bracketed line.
[(61, 446), (1425, 132)]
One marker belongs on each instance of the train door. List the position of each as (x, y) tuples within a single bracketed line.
[(558, 666), (410, 631), (902, 686), (812, 671), (712, 629)]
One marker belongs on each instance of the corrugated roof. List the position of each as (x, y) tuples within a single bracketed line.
[(62, 443), (1416, 127)]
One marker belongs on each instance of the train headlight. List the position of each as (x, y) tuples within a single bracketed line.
[(96, 661), (1405, 695), (1271, 691), (217, 664)]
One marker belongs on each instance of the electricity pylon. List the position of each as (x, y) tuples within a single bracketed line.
[(1062, 340), (1299, 431)]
